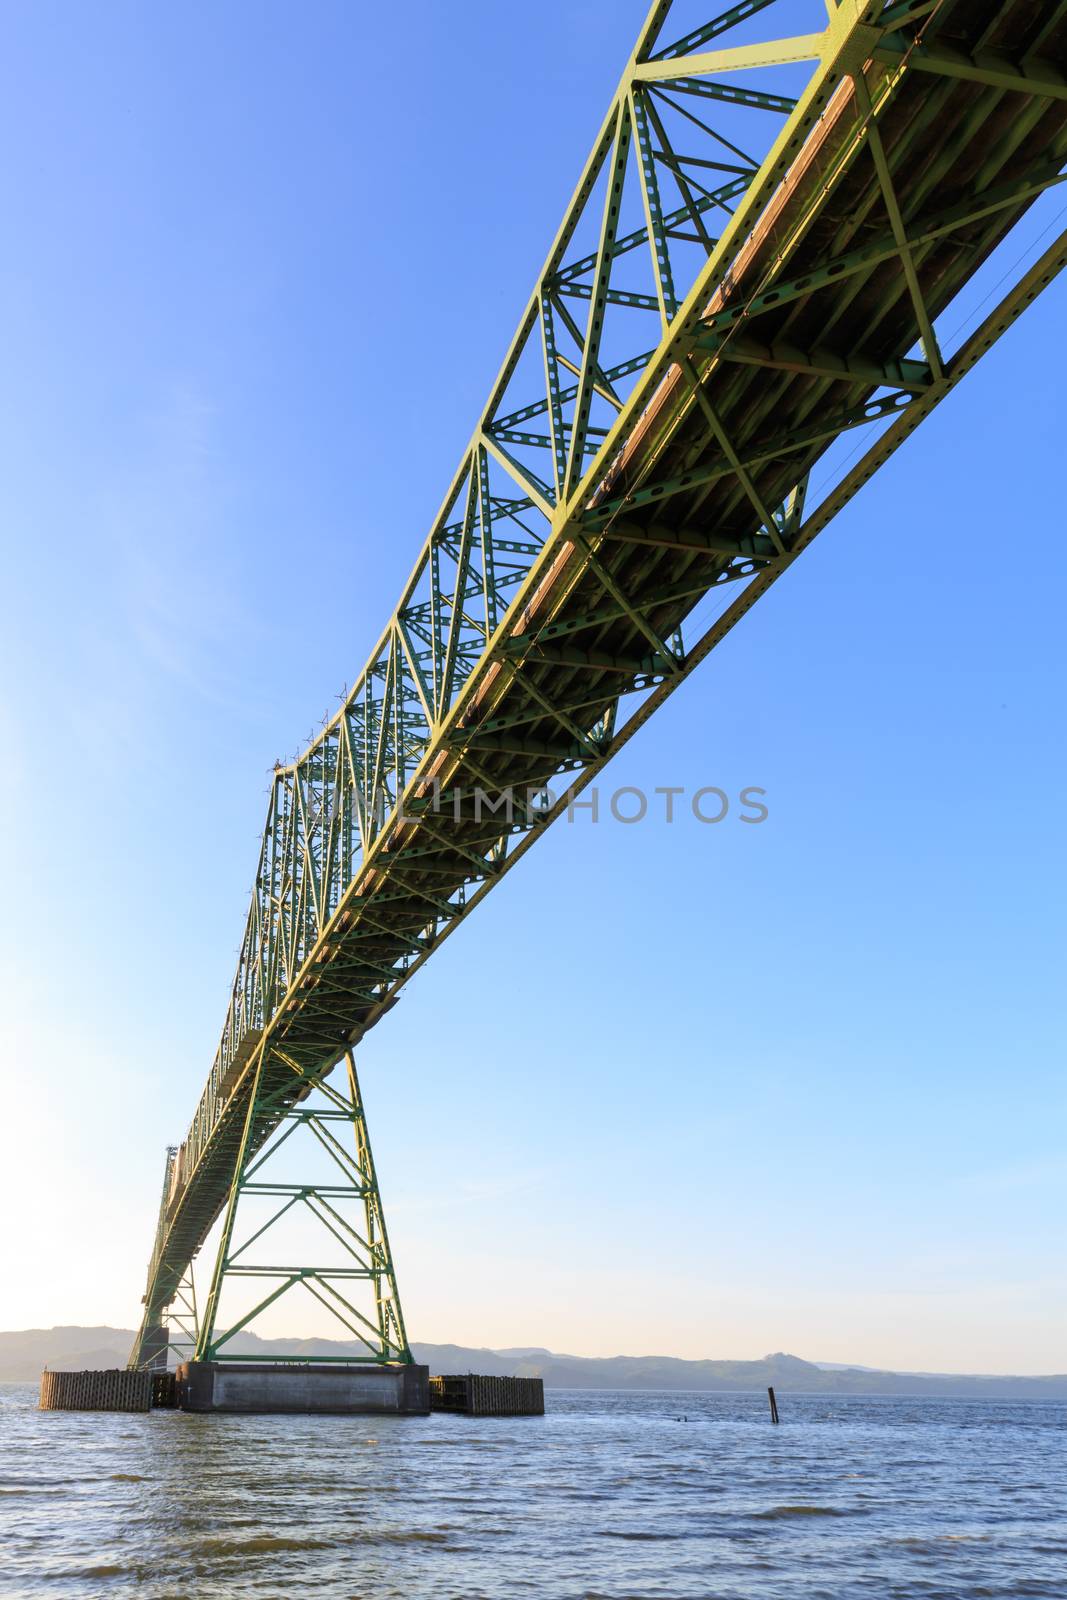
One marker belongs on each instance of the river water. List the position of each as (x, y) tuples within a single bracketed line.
[(611, 1496)]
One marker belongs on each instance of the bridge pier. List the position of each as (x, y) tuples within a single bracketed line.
[(155, 1342), (398, 1389)]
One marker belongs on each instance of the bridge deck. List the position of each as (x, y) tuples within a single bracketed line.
[(901, 168)]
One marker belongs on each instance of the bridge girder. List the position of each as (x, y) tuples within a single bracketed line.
[(620, 475)]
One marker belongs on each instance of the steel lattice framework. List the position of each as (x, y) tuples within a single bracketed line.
[(708, 323)]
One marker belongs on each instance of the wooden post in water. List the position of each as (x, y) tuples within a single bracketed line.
[(774, 1403)]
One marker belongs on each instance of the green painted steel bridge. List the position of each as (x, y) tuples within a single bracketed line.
[(757, 260)]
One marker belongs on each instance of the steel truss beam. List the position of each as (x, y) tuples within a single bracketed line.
[(1030, 76), (647, 443), (379, 1328)]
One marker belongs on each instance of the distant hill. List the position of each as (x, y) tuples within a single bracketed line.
[(24, 1355)]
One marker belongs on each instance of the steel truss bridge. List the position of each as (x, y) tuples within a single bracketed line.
[(757, 260)]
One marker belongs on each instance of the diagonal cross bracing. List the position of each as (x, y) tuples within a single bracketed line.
[(668, 446)]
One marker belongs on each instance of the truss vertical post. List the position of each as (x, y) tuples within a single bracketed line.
[(183, 1314), (206, 1330), (387, 1304), (366, 1257)]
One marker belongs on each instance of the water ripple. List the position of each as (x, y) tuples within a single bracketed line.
[(607, 1498)]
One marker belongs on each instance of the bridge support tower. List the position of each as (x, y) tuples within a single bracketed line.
[(359, 1289)]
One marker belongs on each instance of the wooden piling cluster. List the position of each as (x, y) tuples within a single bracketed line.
[(113, 1390), (470, 1395)]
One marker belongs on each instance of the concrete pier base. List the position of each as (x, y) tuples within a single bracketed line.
[(340, 1390)]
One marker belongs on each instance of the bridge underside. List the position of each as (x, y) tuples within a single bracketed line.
[(924, 134)]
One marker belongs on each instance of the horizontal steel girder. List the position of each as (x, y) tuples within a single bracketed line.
[(674, 435)]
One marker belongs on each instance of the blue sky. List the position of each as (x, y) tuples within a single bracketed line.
[(716, 1090)]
